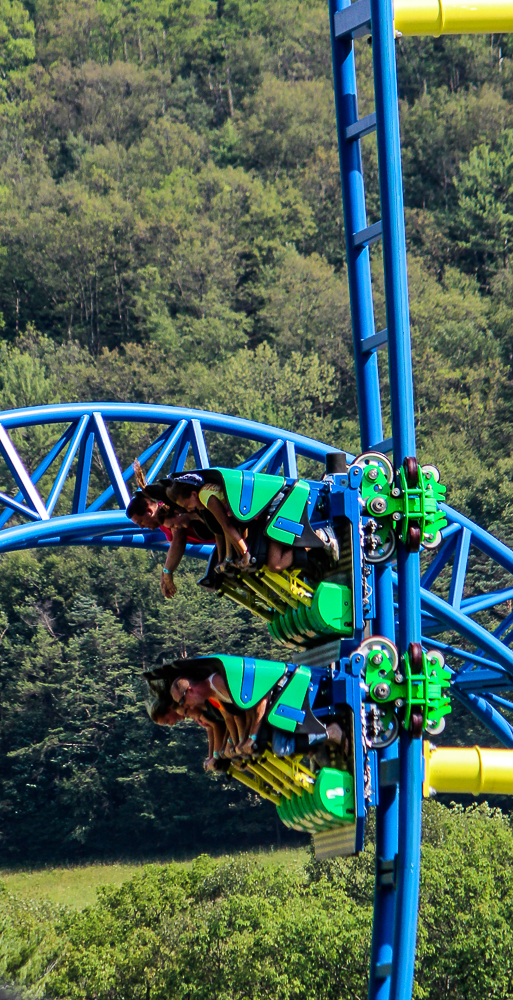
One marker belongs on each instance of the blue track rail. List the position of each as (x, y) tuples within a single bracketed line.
[(440, 609), (86, 490), (75, 509)]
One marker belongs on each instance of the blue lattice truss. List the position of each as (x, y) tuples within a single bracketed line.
[(453, 621)]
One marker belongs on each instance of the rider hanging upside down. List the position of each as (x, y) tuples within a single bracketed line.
[(165, 711), (242, 725), (178, 526), (191, 492)]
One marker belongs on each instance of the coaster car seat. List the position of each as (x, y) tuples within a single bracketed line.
[(250, 495), (249, 680)]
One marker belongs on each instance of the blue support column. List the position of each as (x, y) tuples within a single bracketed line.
[(403, 429), (386, 822), (355, 219)]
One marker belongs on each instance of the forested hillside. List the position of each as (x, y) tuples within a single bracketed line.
[(171, 231)]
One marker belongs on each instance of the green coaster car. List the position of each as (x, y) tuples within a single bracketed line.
[(249, 680), (250, 495)]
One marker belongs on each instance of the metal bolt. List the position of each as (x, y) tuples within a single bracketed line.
[(396, 516), (377, 658), (372, 473), (399, 678), (381, 691), (399, 702), (378, 505), (396, 492)]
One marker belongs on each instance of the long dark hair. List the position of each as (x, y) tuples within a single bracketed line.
[(141, 500), (159, 699)]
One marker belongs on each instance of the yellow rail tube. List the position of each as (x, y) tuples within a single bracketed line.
[(453, 17), (474, 770)]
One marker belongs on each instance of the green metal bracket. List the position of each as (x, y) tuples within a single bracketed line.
[(426, 689), (403, 507), (420, 505), (287, 712)]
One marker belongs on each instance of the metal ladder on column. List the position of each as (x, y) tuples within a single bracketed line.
[(399, 810)]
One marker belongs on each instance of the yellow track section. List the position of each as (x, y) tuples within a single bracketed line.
[(475, 770), (452, 17)]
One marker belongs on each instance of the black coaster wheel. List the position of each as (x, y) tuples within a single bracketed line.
[(416, 725), (411, 470), (416, 657), (413, 537), (416, 664)]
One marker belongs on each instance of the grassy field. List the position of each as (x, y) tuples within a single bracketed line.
[(77, 887)]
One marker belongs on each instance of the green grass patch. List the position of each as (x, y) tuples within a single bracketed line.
[(76, 886)]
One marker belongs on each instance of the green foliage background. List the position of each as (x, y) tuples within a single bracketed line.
[(171, 231), (236, 930)]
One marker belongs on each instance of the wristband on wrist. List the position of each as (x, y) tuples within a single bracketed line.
[(215, 755), (168, 571)]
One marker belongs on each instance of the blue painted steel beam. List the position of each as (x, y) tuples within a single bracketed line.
[(475, 633), (66, 464), (289, 460), (263, 457), (387, 820), (497, 700), (83, 473), (482, 539), (459, 569), (20, 474), (471, 605), (403, 432), (441, 558), (198, 445), (503, 626), (19, 508), (483, 679), (40, 471), (147, 413), (470, 658), (355, 221), (82, 525), (110, 461), (487, 714), (163, 456)]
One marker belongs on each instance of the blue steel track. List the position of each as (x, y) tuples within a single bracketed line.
[(474, 630), (75, 510)]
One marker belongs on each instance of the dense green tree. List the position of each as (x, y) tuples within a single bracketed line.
[(240, 929), (171, 231)]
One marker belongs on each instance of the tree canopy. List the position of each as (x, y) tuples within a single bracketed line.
[(171, 231)]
